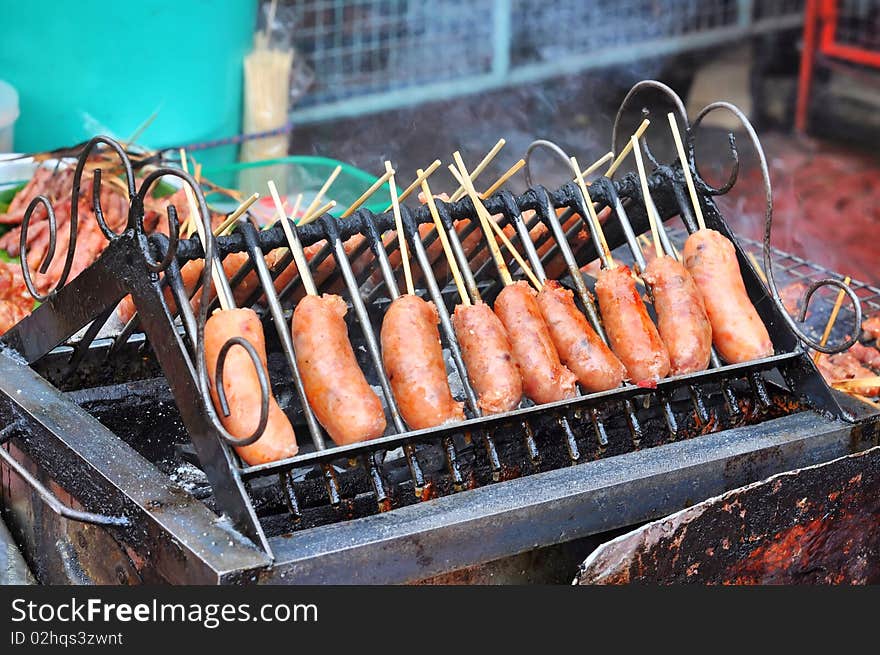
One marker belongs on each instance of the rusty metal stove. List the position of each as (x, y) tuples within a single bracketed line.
[(116, 469)]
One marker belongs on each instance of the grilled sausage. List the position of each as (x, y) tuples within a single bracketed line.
[(681, 315), (737, 330), (631, 333), (579, 347), (487, 356), (335, 386), (242, 387), (413, 359), (545, 379)]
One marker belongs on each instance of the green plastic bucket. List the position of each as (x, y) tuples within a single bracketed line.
[(96, 67)]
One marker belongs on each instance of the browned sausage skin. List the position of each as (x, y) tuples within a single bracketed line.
[(579, 347), (545, 379), (631, 333), (413, 359), (487, 356), (335, 386), (681, 315), (737, 330), (242, 387)]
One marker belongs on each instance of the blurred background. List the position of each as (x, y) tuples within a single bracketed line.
[(360, 81)]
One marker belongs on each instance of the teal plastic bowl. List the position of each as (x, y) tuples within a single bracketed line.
[(304, 174)]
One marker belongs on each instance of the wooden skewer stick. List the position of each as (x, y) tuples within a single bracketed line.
[(444, 241), (482, 211), (872, 380), (865, 399), (603, 244), (501, 180), (506, 278), (679, 146), (353, 207), (416, 183), (401, 236), (650, 209), (596, 165), (317, 199), (461, 191), (230, 220), (299, 256), (838, 303), (314, 216), (758, 267), (226, 300), (626, 149)]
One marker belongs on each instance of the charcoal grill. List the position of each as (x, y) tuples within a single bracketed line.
[(116, 469)]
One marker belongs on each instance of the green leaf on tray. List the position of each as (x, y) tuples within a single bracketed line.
[(7, 195)]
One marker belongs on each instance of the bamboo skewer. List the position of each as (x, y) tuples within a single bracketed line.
[(353, 207), (401, 236), (416, 183), (224, 296), (320, 211), (650, 209), (501, 180), (299, 256), (444, 241), (857, 382), (865, 399), (596, 165), (603, 244), (758, 269), (482, 211), (230, 220), (317, 199), (626, 149), (838, 303), (506, 278), (461, 191), (679, 146)]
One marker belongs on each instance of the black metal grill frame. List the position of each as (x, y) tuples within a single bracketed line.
[(91, 297)]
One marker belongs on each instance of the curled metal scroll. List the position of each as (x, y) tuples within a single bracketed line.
[(261, 376), (50, 253), (768, 262), (638, 88), (173, 222), (83, 158), (699, 180), (547, 145), (135, 223), (74, 215)]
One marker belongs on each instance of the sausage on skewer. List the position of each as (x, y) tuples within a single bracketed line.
[(335, 387), (413, 358), (681, 315), (632, 334), (411, 350), (579, 347), (545, 378), (242, 387), (738, 332), (337, 390)]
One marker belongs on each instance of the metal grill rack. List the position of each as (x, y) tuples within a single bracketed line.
[(372, 55), (324, 491)]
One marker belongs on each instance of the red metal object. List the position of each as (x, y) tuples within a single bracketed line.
[(822, 37)]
